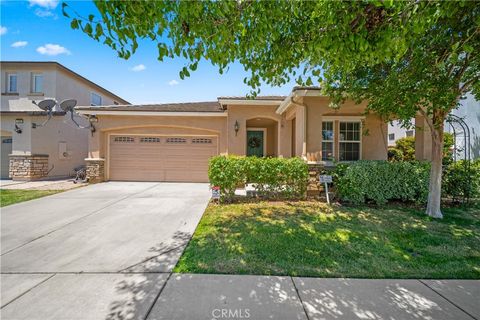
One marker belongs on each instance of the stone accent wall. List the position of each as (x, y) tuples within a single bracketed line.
[(95, 170), (314, 188), (28, 167)]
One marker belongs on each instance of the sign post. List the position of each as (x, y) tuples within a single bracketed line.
[(326, 180)]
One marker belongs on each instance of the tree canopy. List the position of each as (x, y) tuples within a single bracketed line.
[(403, 57)]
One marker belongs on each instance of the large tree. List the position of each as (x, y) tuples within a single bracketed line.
[(404, 57)]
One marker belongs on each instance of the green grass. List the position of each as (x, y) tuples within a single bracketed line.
[(312, 239), (11, 196)]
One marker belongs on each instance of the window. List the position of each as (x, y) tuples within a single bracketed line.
[(201, 141), (95, 99), (176, 140), (149, 140), (349, 145), (409, 133), (124, 139), (37, 83), (391, 136), (12, 82), (327, 140)]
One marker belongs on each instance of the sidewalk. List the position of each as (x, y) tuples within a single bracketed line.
[(173, 296), (57, 184)]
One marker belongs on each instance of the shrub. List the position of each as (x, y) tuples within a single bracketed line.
[(407, 147), (381, 181), (462, 180), (272, 177), (394, 154)]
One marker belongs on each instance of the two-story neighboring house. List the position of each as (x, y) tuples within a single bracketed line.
[(28, 149), (468, 111)]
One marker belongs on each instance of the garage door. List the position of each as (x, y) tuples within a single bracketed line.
[(6, 150), (160, 158)]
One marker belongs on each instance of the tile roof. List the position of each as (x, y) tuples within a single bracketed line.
[(209, 106)]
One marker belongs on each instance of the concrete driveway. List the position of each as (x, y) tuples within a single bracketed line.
[(109, 243)]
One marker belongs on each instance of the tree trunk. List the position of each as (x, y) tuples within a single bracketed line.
[(435, 186)]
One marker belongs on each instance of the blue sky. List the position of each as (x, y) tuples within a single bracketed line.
[(37, 31)]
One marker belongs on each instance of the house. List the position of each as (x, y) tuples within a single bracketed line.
[(173, 142), (468, 111), (31, 148)]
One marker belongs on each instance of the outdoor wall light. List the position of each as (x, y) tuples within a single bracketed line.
[(236, 127)]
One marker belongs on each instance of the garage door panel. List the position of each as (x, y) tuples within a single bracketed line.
[(161, 158)]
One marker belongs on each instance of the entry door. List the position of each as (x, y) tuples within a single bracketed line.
[(6, 150), (255, 143)]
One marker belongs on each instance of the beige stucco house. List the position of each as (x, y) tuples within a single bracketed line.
[(173, 142), (30, 150)]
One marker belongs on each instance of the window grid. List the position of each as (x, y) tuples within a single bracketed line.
[(391, 136), (149, 140), (349, 145), (327, 140), (124, 139), (176, 140), (202, 141)]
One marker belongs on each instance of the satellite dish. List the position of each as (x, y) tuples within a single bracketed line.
[(68, 105), (47, 105)]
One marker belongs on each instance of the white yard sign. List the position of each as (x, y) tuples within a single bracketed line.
[(326, 180)]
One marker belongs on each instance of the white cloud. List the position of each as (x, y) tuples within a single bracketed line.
[(19, 44), (138, 68), (47, 4), (3, 30), (45, 13), (52, 49), (173, 82)]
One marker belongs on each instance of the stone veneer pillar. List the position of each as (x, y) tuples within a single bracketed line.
[(95, 170), (314, 186), (28, 167)]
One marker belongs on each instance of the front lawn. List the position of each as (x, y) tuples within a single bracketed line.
[(312, 239), (11, 196)]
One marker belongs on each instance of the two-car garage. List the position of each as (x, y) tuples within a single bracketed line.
[(161, 142), (178, 158)]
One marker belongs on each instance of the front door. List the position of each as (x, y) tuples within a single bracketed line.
[(255, 143)]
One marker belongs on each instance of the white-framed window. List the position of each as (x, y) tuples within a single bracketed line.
[(12, 83), (391, 136), (327, 140), (409, 133), (37, 83), (349, 145), (95, 99)]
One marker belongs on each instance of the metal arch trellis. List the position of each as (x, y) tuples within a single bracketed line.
[(461, 129)]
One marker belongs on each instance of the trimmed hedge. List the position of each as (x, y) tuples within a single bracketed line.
[(381, 181), (462, 180), (273, 177)]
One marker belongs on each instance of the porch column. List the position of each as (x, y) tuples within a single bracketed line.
[(301, 131), (423, 139)]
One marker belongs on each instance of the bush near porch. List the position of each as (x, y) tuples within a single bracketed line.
[(274, 178), (382, 181)]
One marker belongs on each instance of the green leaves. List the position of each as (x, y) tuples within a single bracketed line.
[(273, 177)]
